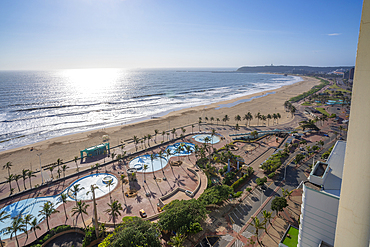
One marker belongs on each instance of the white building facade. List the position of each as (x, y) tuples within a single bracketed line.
[(320, 200)]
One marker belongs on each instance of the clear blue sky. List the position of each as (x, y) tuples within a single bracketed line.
[(59, 34)]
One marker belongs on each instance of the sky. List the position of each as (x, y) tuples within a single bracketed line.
[(73, 34)]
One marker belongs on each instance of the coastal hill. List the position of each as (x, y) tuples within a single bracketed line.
[(292, 69)]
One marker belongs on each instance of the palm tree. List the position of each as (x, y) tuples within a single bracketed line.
[(34, 226), (144, 139), (30, 174), (206, 119), (46, 212), (136, 141), (75, 159), (268, 119), (8, 166), (51, 168), (274, 116), (27, 219), (145, 167), (278, 117), (152, 157), (237, 118), (59, 172), (173, 131), (63, 198), (97, 167), (3, 216), (80, 209), (64, 168), (24, 176), (226, 118), (149, 136), (212, 119), (109, 184), (177, 240), (217, 120), (163, 133), (263, 118), (75, 189), (267, 215), (292, 110), (16, 178), (114, 210), (59, 162), (9, 180), (257, 225), (155, 135), (17, 225), (200, 121), (183, 130), (258, 116), (160, 156)]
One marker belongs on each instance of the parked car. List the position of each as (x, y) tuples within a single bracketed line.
[(142, 213), (301, 148)]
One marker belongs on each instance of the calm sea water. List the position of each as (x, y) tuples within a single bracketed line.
[(38, 105)]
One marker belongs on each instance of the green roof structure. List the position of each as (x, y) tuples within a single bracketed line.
[(95, 150)]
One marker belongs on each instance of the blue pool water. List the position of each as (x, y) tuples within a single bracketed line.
[(212, 139), (34, 205), (158, 163)]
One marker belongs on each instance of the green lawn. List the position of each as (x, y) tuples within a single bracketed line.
[(293, 239), (306, 103), (322, 110)]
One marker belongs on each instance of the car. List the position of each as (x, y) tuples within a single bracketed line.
[(326, 135), (301, 148), (142, 213), (263, 187)]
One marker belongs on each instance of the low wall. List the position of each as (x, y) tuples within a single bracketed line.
[(62, 233)]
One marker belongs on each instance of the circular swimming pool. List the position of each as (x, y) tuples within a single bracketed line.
[(212, 139), (177, 149)]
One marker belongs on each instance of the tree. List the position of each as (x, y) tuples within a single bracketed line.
[(152, 157), (267, 215), (225, 119), (310, 124), (177, 240), (8, 166), (59, 172), (46, 212), (237, 119), (30, 174), (63, 198), (80, 209), (278, 204), (212, 119), (136, 141), (9, 180), (34, 226), (298, 158), (254, 134), (75, 189), (149, 136), (258, 116), (155, 135), (173, 132), (16, 178), (261, 181), (123, 176), (114, 210), (293, 110), (75, 159), (217, 120), (134, 232), (64, 168), (27, 219), (278, 116), (3, 216), (145, 167), (216, 194), (24, 176), (180, 215), (59, 162), (51, 168), (17, 225), (268, 119), (274, 116), (257, 225), (163, 134), (286, 193), (109, 184)]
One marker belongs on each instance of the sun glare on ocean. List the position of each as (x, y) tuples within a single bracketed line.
[(91, 82)]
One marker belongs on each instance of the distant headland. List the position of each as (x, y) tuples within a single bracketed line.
[(292, 69)]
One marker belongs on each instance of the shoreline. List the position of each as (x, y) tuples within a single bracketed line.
[(68, 146)]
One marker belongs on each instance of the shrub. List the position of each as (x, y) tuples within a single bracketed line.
[(236, 184), (238, 194), (261, 181), (249, 189), (271, 175)]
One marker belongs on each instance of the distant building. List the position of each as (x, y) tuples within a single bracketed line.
[(320, 200), (349, 74)]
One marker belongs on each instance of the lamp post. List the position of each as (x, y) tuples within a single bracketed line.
[(42, 178)]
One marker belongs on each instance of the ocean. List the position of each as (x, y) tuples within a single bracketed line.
[(39, 105)]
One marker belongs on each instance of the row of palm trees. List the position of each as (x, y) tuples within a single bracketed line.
[(28, 174), (247, 117)]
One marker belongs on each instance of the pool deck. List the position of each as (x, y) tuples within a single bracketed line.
[(177, 177)]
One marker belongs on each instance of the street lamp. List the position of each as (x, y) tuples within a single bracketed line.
[(42, 178)]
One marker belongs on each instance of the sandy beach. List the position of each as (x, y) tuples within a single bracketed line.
[(67, 147)]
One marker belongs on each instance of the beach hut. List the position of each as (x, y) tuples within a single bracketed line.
[(95, 150)]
